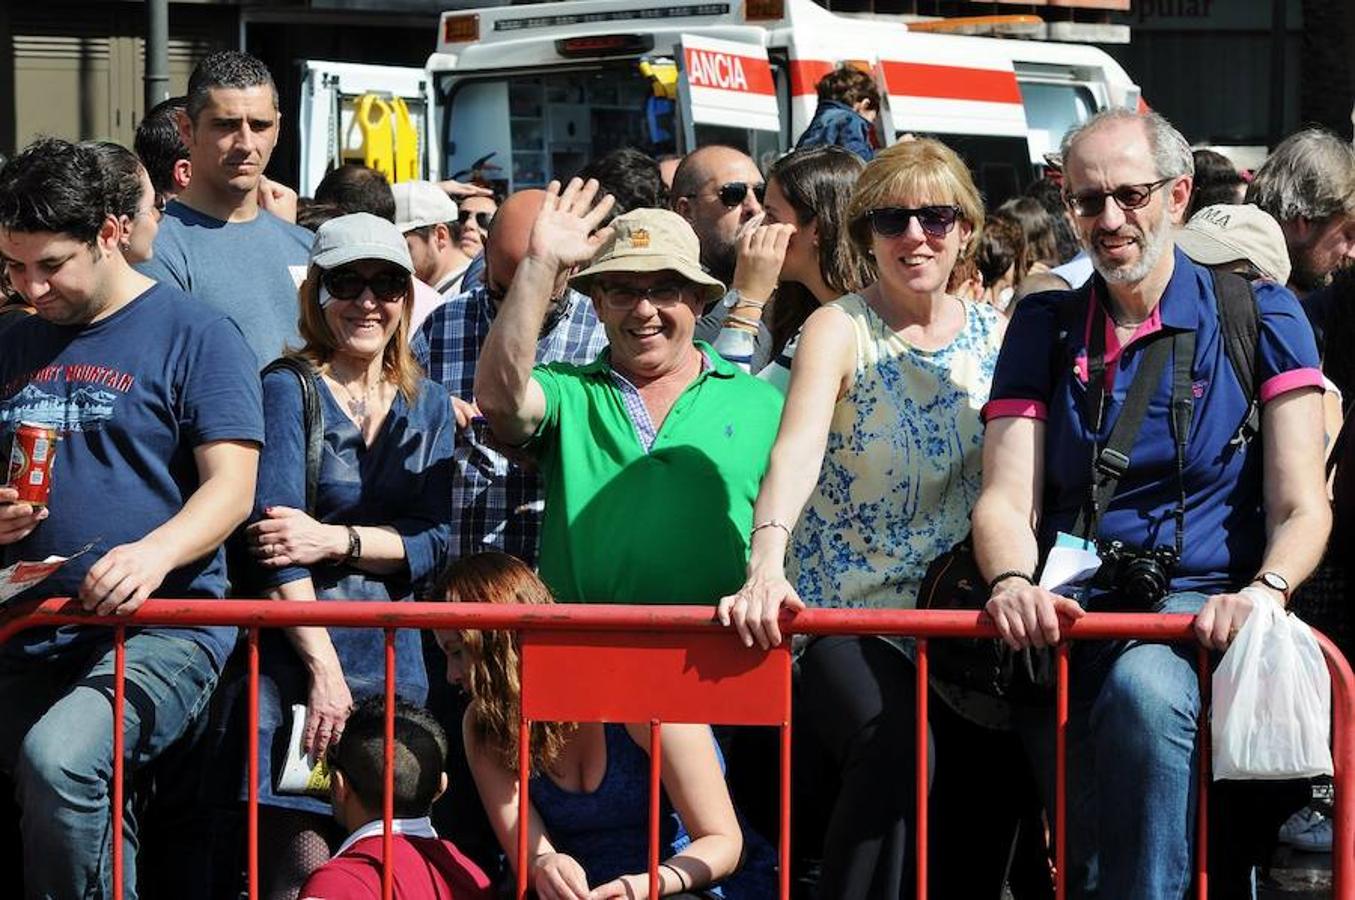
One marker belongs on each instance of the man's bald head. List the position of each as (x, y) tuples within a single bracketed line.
[(696, 197), (508, 235)]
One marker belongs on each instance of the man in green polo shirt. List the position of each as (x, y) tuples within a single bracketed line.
[(651, 455)]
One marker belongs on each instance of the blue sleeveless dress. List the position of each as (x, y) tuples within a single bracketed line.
[(607, 830)]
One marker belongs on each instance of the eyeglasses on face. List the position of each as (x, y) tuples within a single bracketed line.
[(892, 221), (624, 296), (733, 193), (348, 284), (482, 219), (1127, 197)]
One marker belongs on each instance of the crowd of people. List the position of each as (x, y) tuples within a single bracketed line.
[(692, 383)]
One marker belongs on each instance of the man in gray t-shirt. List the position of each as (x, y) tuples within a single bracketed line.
[(218, 241)]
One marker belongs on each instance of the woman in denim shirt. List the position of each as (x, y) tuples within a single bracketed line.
[(380, 523)]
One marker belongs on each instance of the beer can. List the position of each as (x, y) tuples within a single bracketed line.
[(32, 450)]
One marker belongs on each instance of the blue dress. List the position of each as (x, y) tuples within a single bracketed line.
[(607, 830), (403, 480)]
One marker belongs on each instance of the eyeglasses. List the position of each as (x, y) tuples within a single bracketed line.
[(892, 221), (348, 284), (1127, 197), (156, 210), (663, 296), (482, 219), (733, 193)]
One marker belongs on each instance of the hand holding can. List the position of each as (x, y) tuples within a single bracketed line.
[(32, 451)]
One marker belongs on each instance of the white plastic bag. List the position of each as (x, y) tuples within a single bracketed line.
[(1272, 700)]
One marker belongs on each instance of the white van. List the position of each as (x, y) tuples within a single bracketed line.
[(523, 94)]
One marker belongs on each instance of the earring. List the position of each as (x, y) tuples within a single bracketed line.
[(124, 245)]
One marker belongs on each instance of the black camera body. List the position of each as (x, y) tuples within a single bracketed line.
[(1140, 577)]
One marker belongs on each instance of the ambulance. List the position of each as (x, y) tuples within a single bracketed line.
[(519, 95)]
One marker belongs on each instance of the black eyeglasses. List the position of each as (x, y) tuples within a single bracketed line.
[(348, 284), (892, 221), (481, 218), (1127, 197), (733, 193), (620, 296)]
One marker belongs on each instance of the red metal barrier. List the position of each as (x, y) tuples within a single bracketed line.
[(558, 640)]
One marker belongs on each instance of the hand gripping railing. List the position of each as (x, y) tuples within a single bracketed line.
[(693, 670)]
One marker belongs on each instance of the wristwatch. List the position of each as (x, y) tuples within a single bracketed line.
[(354, 545), (1275, 581)]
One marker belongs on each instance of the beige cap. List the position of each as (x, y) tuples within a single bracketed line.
[(1227, 233), (419, 204), (650, 240)]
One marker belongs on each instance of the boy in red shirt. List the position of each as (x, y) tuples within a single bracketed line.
[(426, 867)]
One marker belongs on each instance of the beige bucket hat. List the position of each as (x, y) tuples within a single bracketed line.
[(650, 240)]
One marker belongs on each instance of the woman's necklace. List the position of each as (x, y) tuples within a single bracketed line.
[(357, 406)]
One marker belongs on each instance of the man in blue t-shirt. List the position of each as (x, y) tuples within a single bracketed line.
[(1245, 519), (158, 408), (219, 242)]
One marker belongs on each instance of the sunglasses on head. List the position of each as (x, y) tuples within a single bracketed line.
[(482, 219), (892, 221), (1127, 197), (348, 284)]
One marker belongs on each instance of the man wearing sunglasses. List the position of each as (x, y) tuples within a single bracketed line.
[(719, 190), (651, 454), (1229, 522)]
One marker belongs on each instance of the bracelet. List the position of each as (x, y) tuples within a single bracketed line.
[(682, 881), (1011, 573), (751, 304), (771, 523), (746, 322), (354, 545)]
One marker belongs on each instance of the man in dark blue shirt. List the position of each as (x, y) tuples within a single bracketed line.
[(157, 404), (1246, 519)]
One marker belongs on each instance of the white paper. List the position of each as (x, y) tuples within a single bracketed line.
[(1068, 565), (23, 575), (299, 774)]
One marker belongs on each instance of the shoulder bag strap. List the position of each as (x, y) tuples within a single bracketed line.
[(311, 415)]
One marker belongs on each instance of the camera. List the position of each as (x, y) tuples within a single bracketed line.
[(1139, 577)]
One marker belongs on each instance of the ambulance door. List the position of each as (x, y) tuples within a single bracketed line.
[(375, 115), (727, 94)]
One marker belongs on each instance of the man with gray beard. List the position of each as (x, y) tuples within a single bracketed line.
[(1223, 525)]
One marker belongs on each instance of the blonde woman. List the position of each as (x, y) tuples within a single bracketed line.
[(873, 475), (381, 516)]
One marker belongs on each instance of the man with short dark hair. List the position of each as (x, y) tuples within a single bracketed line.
[(156, 402), (1189, 511), (424, 867), (354, 188), (659, 432), (162, 151), (218, 241)]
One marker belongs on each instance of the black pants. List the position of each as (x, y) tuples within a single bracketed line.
[(858, 698)]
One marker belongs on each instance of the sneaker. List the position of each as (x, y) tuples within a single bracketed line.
[(1307, 830)]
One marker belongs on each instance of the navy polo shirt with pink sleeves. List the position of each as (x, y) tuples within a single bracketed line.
[(1042, 373)]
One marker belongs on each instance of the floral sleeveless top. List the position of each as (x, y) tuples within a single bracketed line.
[(902, 468)]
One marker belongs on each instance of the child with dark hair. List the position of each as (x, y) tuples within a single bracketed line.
[(849, 101), (425, 867)]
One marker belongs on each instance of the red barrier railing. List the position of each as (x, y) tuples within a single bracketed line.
[(560, 642)]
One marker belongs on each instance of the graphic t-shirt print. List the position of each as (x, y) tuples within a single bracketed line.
[(70, 397)]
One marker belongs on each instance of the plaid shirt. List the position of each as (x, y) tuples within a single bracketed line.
[(497, 504)]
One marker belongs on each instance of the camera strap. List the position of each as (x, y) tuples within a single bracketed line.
[(1111, 461)]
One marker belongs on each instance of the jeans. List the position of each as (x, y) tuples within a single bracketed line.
[(56, 740), (1134, 711)]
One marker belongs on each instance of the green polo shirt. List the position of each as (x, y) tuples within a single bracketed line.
[(667, 526)]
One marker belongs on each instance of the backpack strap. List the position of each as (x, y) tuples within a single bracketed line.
[(312, 416), (1240, 328)]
